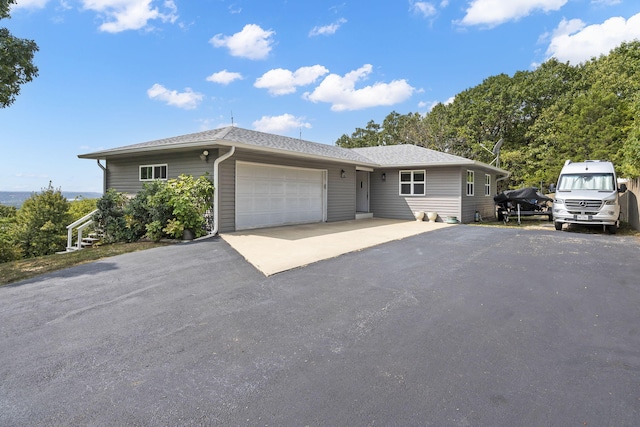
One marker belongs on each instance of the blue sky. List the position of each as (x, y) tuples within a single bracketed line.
[(119, 72)]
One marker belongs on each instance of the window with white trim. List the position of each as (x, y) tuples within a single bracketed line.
[(470, 178), (151, 172), (487, 185), (413, 183)]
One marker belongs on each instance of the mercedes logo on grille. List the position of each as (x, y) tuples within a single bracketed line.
[(582, 203)]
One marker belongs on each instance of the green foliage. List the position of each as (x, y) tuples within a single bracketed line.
[(160, 209), (8, 211), (16, 60), (139, 211), (545, 116), (110, 217), (80, 207), (9, 251), (41, 223), (631, 147), (188, 199)]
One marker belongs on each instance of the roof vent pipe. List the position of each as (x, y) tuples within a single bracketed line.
[(216, 173)]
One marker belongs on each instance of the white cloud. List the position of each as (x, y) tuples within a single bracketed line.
[(606, 2), (280, 124), (29, 4), (187, 100), (252, 42), (31, 175), (122, 15), (340, 91), (234, 9), (224, 77), (327, 30), (575, 42), (496, 12), (281, 82), (424, 8)]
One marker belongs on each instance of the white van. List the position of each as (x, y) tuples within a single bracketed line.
[(587, 193)]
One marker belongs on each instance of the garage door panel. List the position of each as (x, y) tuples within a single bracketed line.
[(271, 195)]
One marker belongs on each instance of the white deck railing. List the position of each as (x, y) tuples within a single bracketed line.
[(80, 225)]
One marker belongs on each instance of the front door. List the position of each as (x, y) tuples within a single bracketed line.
[(362, 191)]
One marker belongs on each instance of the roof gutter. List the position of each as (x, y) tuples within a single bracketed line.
[(507, 175), (216, 204)]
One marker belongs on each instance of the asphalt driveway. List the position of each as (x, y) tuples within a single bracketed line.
[(463, 326)]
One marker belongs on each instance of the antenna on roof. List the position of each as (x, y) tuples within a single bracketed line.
[(495, 151), (231, 118), (300, 138)]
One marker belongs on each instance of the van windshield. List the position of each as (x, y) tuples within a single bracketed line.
[(586, 181)]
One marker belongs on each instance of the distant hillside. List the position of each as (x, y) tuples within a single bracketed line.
[(16, 198)]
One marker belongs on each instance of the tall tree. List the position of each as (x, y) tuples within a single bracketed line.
[(367, 137), (16, 60), (545, 116), (484, 114), (41, 223)]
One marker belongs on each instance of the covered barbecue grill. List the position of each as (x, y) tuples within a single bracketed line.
[(522, 202)]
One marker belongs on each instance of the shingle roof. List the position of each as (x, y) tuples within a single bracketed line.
[(277, 142), (241, 137), (408, 155), (381, 156)]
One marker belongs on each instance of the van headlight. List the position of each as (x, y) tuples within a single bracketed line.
[(610, 202), (559, 201)]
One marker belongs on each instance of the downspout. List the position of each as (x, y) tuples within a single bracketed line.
[(504, 177), (216, 204), (104, 177)]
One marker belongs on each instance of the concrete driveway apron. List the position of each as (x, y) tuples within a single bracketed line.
[(277, 249)]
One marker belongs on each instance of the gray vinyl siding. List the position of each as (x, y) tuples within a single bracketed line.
[(341, 198), (442, 194), (123, 172), (341, 193), (478, 202)]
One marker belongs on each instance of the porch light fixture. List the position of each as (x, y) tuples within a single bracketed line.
[(343, 174), (383, 176), (204, 156)]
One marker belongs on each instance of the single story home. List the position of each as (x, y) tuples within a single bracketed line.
[(265, 180)]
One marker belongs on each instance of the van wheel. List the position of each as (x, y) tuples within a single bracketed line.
[(612, 229), (558, 225)]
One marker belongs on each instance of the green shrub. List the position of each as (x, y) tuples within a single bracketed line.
[(8, 211), (41, 223), (188, 199), (9, 251), (139, 213), (110, 217), (160, 209), (80, 207)]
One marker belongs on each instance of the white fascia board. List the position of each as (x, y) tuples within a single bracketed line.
[(135, 150)]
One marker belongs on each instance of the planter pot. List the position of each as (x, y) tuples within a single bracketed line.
[(452, 220), (419, 215), (188, 235), (433, 216)]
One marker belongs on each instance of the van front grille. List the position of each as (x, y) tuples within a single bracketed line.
[(583, 205)]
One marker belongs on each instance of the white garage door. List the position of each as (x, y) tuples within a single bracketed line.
[(268, 195)]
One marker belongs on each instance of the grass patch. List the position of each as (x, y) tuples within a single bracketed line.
[(23, 269), (543, 224)]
